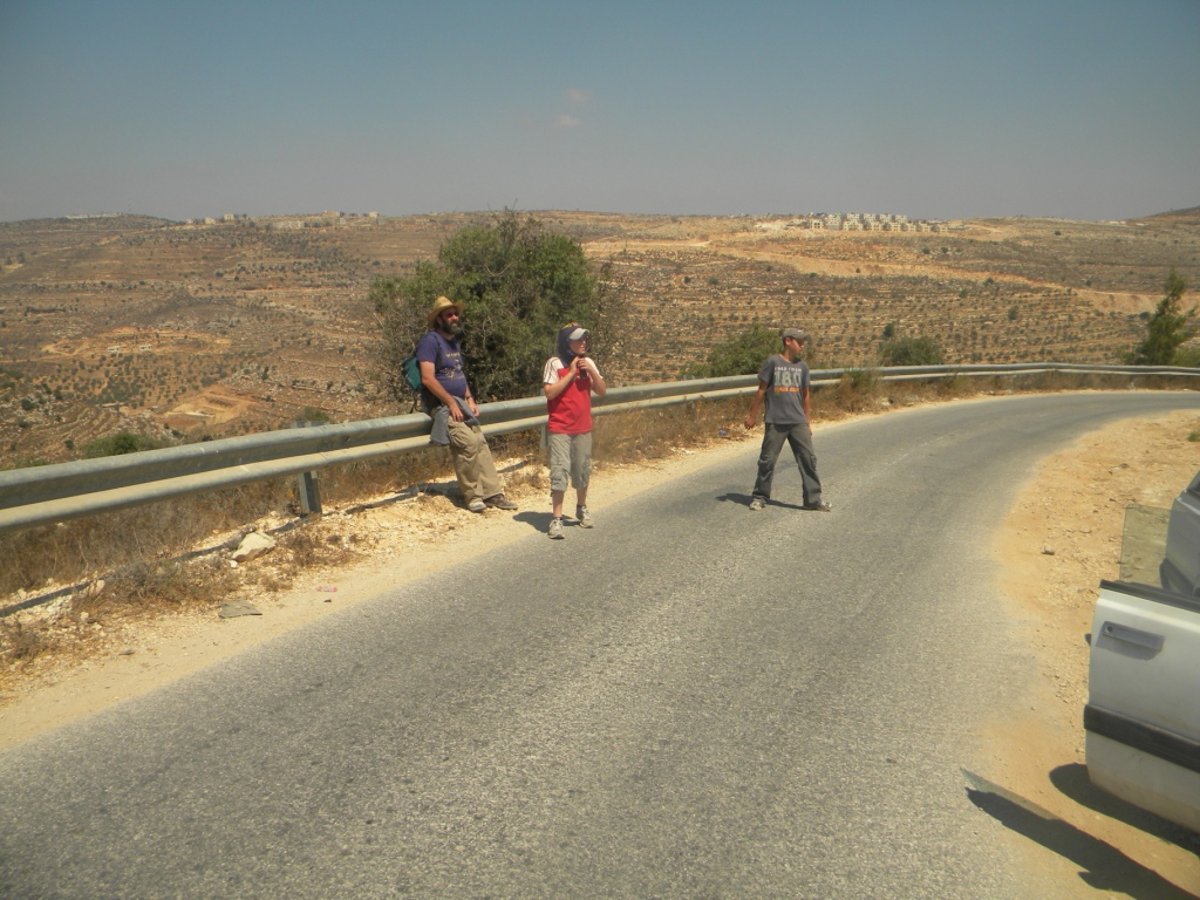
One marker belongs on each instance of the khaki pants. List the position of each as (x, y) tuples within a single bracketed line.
[(473, 464)]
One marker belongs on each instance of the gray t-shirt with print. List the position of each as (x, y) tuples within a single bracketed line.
[(787, 382)]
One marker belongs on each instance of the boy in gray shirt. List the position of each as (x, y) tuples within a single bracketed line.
[(783, 382)]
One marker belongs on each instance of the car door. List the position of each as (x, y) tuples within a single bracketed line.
[(1181, 562), (1142, 719)]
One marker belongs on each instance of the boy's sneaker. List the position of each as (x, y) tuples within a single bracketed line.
[(476, 505), (556, 530), (584, 517), (819, 506), (758, 503)]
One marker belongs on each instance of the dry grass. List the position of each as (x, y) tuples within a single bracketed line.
[(85, 619), (80, 549), (97, 612), (117, 567)]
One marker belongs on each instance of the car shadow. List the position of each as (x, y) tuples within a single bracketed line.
[(1072, 781), (1104, 867)]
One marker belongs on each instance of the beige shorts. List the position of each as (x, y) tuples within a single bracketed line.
[(570, 457)]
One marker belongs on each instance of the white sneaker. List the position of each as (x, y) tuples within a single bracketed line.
[(584, 517), (556, 530), (476, 505)]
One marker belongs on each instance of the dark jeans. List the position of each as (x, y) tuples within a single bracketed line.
[(799, 438)]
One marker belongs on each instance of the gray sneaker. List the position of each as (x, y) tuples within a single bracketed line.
[(584, 517), (556, 530), (758, 503), (476, 505), (819, 506)]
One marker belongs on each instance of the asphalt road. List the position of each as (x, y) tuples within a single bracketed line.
[(690, 700)]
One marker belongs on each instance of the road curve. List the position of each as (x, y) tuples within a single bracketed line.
[(691, 699)]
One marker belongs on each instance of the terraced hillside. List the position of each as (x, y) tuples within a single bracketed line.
[(186, 330)]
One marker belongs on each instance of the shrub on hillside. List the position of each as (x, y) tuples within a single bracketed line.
[(518, 284), (119, 443), (910, 351), (1167, 329), (856, 389), (1187, 356), (310, 415), (742, 354)]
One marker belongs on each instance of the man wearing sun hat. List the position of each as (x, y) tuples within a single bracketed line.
[(448, 398)]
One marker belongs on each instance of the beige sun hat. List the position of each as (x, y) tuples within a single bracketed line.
[(440, 305)]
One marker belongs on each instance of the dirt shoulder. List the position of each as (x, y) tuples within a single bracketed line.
[(1062, 536)]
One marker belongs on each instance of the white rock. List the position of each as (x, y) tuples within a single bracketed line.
[(253, 546)]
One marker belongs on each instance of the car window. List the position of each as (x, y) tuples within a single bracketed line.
[(1143, 544), (1194, 487)]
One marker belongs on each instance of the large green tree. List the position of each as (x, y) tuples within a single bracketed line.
[(1168, 328), (518, 283)]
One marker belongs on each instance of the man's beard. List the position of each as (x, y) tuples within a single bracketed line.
[(452, 328)]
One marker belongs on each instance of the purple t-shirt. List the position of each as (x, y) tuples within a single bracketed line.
[(446, 357)]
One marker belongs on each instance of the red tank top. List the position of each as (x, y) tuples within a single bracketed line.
[(571, 411)]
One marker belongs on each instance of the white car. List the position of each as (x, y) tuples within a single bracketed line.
[(1142, 717), (1180, 570)]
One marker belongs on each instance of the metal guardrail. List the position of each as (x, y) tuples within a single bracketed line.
[(45, 494)]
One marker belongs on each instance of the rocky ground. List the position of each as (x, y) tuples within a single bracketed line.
[(1062, 536)]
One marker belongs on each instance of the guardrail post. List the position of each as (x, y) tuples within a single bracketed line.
[(310, 494), (308, 489)]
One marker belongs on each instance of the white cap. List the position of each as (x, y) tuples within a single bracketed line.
[(578, 334)]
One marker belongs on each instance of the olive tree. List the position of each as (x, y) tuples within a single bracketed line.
[(1167, 329), (518, 283)]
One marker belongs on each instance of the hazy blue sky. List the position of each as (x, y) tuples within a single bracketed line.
[(1085, 109)]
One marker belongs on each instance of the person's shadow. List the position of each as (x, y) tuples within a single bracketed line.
[(744, 500), (540, 521)]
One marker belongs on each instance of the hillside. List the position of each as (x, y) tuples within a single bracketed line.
[(192, 330)]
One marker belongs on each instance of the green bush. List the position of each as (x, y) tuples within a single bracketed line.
[(911, 351), (518, 284), (856, 389), (118, 444), (742, 354), (313, 416), (1187, 356), (1167, 329)]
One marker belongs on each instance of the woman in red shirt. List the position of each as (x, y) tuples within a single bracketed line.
[(569, 380)]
